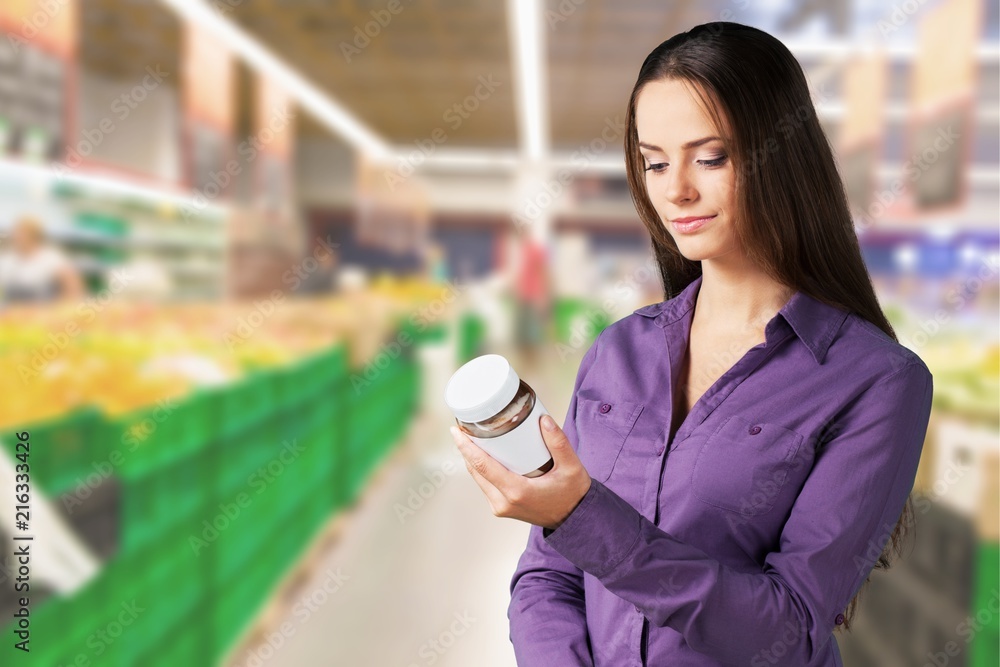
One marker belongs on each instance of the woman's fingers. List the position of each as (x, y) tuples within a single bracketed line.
[(493, 495), (557, 442), (484, 464), (501, 486)]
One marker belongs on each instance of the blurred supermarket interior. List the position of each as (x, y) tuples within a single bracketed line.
[(244, 244)]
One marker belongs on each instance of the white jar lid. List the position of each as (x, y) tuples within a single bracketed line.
[(481, 388)]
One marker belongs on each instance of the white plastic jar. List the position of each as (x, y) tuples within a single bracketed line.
[(500, 413)]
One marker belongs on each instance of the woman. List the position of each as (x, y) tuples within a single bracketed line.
[(33, 270), (735, 458)]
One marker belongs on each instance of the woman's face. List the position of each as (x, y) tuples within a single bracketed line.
[(686, 177)]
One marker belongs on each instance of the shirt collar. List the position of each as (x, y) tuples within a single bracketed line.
[(814, 322)]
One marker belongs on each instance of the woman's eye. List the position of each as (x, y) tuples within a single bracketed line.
[(657, 166), (714, 162)]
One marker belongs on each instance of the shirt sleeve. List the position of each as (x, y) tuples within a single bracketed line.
[(548, 620), (840, 523)]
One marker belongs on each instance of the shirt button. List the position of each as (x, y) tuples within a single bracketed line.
[(659, 450), (605, 408), (839, 620), (754, 430)]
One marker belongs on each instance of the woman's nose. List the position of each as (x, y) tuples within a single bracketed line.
[(679, 188)]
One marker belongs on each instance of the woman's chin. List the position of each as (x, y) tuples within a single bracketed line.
[(695, 251)]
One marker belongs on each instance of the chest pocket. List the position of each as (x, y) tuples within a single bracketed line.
[(744, 465), (602, 428)]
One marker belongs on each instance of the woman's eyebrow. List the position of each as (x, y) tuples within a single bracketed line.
[(688, 145)]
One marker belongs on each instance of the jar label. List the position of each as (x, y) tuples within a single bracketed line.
[(521, 449)]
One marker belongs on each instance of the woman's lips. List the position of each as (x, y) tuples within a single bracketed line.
[(692, 225)]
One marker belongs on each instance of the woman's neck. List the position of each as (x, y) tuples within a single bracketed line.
[(738, 299)]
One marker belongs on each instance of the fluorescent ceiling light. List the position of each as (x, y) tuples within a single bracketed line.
[(501, 160), (311, 98), (530, 61)]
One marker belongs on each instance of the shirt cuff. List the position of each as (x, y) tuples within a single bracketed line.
[(599, 533)]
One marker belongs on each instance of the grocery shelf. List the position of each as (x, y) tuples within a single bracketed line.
[(197, 588)]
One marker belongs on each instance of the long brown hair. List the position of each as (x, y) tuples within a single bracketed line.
[(793, 218)]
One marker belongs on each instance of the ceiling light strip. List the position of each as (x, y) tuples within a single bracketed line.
[(530, 70), (311, 98)]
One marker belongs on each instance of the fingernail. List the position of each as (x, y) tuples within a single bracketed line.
[(548, 423), (454, 431)]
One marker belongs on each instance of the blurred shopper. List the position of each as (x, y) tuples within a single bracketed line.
[(323, 277), (532, 298), (435, 263), (31, 269)]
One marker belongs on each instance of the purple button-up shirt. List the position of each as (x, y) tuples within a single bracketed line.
[(742, 540)]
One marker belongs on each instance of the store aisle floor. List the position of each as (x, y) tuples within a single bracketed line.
[(420, 575)]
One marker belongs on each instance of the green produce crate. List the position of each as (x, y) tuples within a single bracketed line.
[(471, 334), (234, 460), (578, 320), (334, 363), (423, 332), (235, 608), (250, 400), (154, 500), (50, 644), (184, 644), (378, 414), (61, 449), (87, 625), (208, 405), (985, 648), (55, 631), (288, 386), (167, 581), (161, 434)]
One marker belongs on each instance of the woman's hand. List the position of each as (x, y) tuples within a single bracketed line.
[(545, 501)]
